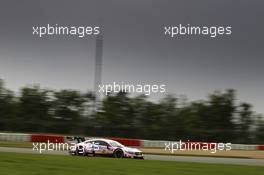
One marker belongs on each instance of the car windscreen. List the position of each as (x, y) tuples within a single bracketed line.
[(116, 144)]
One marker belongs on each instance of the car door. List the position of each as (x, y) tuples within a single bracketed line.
[(100, 147), (89, 147)]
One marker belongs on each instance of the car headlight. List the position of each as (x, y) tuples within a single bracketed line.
[(130, 152), (138, 153)]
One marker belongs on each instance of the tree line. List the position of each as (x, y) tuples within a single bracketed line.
[(219, 118)]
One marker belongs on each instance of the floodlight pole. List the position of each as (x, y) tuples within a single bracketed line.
[(98, 68)]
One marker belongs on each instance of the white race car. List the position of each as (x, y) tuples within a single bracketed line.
[(105, 147)]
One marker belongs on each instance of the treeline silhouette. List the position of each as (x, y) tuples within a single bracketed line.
[(219, 118)]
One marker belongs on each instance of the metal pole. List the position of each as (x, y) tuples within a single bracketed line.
[(98, 68)]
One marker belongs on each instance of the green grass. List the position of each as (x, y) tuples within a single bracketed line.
[(27, 164), (16, 144)]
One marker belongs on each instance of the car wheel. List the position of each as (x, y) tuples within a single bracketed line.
[(80, 151), (93, 154), (118, 153)]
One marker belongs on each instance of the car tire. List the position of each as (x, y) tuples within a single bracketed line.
[(93, 154), (118, 153), (80, 151)]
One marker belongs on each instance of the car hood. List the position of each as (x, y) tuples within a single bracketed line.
[(134, 150)]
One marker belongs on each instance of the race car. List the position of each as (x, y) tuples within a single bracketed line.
[(105, 147)]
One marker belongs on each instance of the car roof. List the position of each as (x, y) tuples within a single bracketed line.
[(101, 139)]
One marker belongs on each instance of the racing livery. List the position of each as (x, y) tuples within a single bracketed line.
[(105, 147)]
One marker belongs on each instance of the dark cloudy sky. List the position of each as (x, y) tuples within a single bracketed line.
[(135, 48)]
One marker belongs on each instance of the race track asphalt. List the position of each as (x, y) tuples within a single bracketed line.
[(214, 160)]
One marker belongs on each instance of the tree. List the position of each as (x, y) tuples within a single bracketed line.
[(34, 107), (68, 107), (220, 119), (7, 108), (117, 115), (259, 133), (216, 119), (245, 121)]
